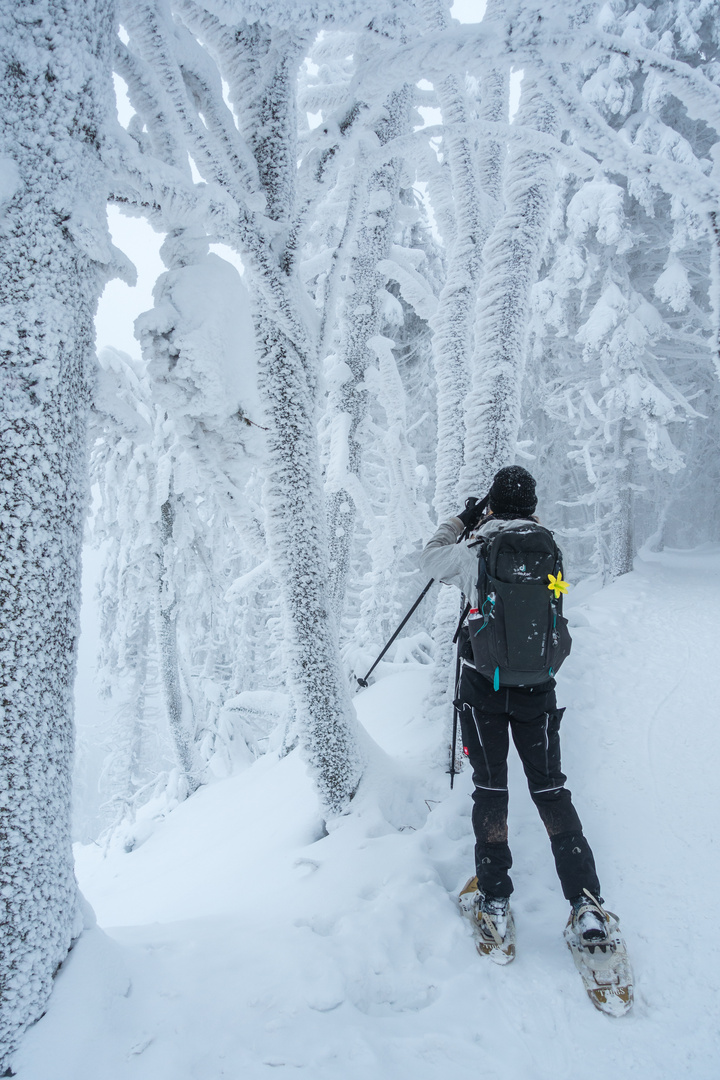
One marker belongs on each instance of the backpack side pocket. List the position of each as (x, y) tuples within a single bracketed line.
[(559, 639), (483, 626)]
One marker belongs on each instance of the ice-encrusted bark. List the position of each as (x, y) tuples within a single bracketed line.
[(512, 259), (55, 98), (493, 111), (298, 546), (294, 500)]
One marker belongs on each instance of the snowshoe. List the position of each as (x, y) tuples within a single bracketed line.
[(600, 954), (492, 922)]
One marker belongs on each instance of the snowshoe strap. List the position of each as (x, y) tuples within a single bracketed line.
[(594, 904), (486, 919)]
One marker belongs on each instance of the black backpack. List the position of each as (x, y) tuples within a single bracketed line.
[(517, 633)]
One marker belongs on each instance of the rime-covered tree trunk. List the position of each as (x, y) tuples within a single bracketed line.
[(293, 492), (512, 260), (621, 530), (177, 704), (55, 96), (298, 547), (362, 320), (137, 663), (714, 291), (494, 107)]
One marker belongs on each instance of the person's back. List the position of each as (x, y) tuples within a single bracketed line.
[(496, 701)]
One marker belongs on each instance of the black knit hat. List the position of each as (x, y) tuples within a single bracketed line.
[(513, 493)]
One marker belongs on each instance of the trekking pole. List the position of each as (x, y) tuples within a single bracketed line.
[(453, 743), (364, 682), (456, 711), (481, 506)]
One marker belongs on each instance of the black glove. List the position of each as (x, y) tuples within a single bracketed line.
[(473, 512)]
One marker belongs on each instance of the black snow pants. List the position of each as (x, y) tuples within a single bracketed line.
[(531, 715)]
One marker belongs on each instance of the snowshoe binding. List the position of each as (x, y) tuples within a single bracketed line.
[(492, 922), (600, 954)]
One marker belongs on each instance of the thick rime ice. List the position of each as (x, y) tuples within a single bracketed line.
[(56, 256)]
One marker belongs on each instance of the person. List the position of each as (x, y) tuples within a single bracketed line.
[(488, 717)]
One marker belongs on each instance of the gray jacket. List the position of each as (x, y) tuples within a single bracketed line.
[(445, 560)]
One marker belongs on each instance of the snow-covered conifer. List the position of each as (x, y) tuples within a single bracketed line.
[(626, 289), (606, 350)]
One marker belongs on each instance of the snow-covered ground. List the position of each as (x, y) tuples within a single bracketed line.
[(241, 941)]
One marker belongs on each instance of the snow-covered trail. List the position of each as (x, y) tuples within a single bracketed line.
[(239, 941)]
